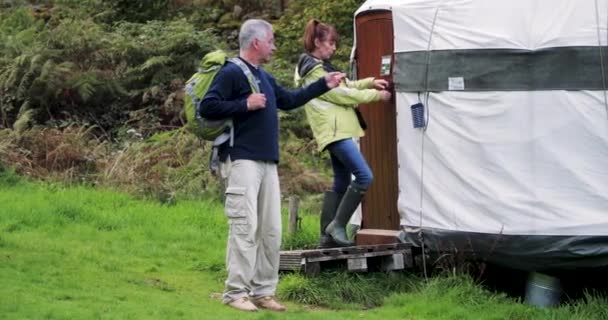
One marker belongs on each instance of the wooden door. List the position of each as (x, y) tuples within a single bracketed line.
[(374, 32)]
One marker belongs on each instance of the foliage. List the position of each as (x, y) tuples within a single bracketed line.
[(165, 167), (138, 11), (290, 30), (302, 167), (71, 70), (97, 61), (68, 155)]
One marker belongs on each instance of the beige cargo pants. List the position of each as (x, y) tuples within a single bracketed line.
[(253, 208)]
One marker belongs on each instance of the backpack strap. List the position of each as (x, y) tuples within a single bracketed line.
[(253, 81)]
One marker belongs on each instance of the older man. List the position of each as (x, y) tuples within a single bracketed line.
[(249, 163)]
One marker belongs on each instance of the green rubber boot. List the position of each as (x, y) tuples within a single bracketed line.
[(337, 228), (331, 201)]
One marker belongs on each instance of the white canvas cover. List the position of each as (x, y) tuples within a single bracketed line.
[(503, 162)]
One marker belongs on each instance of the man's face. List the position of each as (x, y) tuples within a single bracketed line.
[(265, 47)]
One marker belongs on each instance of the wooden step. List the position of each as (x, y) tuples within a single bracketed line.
[(394, 256), (378, 236)]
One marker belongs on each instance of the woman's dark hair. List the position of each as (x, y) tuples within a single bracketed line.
[(318, 30)]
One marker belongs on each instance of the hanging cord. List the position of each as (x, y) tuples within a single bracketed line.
[(599, 40), (426, 122)]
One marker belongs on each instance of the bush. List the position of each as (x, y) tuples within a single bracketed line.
[(165, 168), (70, 70), (67, 155), (290, 29), (138, 11)]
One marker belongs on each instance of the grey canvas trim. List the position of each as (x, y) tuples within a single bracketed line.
[(525, 252), (559, 68)]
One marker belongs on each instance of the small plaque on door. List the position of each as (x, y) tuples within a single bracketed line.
[(385, 66)]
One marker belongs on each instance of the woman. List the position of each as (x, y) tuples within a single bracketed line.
[(334, 122)]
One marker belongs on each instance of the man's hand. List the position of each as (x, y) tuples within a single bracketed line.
[(380, 84), (333, 79), (256, 101)]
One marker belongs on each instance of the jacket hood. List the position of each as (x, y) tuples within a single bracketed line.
[(306, 64)]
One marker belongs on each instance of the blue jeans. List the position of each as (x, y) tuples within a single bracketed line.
[(346, 159)]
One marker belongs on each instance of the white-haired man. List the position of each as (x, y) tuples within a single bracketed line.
[(253, 203)]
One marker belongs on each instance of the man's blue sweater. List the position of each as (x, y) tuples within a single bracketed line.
[(256, 133)]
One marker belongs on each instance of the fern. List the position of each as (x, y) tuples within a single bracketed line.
[(32, 72), (24, 119), (24, 85), (16, 70), (86, 85), (16, 20), (155, 63), (75, 67)]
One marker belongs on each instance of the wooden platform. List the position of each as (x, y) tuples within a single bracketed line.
[(386, 257)]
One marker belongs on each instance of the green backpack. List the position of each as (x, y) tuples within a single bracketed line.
[(218, 131)]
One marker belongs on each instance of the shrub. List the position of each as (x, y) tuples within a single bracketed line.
[(72, 70), (138, 11), (164, 168), (169, 166), (67, 155), (290, 29)]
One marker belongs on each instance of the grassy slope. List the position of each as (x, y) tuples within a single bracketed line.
[(78, 253)]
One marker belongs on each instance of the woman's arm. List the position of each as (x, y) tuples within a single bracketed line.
[(367, 83), (344, 95)]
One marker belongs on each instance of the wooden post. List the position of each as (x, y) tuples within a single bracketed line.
[(294, 203), (312, 268)]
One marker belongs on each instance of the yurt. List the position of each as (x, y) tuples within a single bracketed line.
[(496, 142)]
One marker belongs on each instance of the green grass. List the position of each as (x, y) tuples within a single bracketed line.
[(81, 253)]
